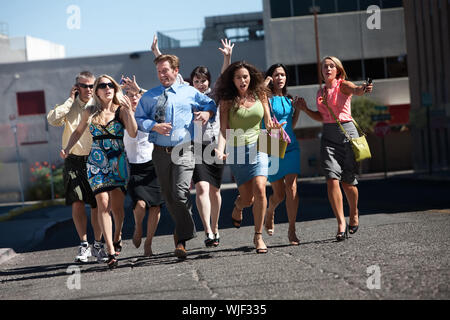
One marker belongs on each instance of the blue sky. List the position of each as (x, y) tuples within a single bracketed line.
[(108, 27)]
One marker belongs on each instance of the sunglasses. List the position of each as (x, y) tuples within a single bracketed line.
[(85, 86), (104, 85)]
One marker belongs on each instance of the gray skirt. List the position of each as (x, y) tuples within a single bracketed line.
[(337, 158)]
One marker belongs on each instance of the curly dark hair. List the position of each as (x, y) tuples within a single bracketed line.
[(225, 90)]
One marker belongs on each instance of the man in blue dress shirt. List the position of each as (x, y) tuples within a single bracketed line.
[(167, 113)]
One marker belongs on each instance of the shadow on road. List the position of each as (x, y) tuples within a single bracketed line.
[(393, 195)]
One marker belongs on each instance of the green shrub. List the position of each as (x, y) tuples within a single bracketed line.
[(40, 188), (362, 110)]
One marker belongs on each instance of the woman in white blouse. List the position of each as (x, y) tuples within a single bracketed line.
[(143, 185)]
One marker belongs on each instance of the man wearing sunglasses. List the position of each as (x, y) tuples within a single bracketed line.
[(77, 189)]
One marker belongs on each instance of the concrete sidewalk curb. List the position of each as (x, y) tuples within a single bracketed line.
[(38, 234), (21, 210), (6, 254)]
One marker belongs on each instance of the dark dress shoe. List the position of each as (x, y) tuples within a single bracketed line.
[(180, 251)]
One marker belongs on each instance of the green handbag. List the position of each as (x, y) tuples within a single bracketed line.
[(359, 145)]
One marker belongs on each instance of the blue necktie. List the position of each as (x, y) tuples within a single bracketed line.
[(160, 108)]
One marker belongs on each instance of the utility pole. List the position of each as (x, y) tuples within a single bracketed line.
[(315, 10), (52, 187), (12, 118)]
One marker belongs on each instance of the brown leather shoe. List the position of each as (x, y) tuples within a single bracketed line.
[(180, 251)]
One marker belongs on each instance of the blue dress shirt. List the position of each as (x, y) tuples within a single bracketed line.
[(182, 101)]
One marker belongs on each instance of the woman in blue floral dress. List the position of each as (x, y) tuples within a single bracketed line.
[(107, 117), (107, 163)]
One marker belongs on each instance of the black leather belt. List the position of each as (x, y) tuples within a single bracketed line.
[(169, 149), (77, 158), (166, 149)]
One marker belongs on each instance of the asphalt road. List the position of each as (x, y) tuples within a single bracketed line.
[(400, 252), (377, 195)]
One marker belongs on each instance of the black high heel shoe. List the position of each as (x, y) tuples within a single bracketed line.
[(236, 223), (117, 247), (352, 229), (341, 236), (112, 262), (209, 240), (216, 239)]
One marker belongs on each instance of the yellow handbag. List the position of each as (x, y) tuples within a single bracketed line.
[(359, 145), (272, 142)]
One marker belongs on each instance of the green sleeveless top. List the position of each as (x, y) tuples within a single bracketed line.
[(248, 120)]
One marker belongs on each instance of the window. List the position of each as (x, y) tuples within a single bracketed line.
[(353, 68), (237, 34), (326, 6), (374, 68), (290, 8), (364, 4), (347, 5), (377, 68), (30, 103), (397, 67), (292, 72), (280, 8), (302, 8), (391, 4), (307, 74)]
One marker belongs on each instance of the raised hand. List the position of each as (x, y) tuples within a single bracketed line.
[(126, 103), (154, 47), (130, 85), (268, 80), (227, 47), (368, 87), (73, 91)]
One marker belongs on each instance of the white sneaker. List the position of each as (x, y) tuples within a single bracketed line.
[(83, 254), (98, 251)]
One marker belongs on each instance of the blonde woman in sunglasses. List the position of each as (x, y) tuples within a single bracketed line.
[(107, 169)]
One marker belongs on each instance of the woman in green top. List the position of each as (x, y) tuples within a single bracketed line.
[(243, 103)]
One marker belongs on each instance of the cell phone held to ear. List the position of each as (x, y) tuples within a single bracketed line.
[(77, 90)]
